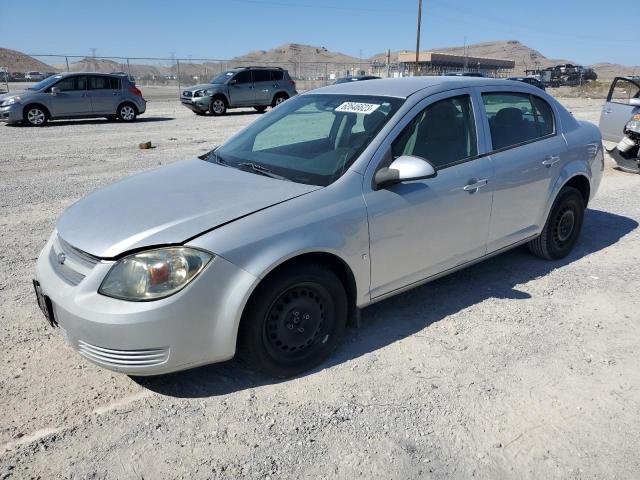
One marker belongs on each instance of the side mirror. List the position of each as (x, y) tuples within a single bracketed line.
[(634, 102), (55, 91), (404, 169)]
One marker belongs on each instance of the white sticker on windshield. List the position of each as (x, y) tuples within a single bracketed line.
[(355, 107)]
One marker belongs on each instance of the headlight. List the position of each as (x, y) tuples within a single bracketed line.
[(11, 101), (634, 124), (154, 274)]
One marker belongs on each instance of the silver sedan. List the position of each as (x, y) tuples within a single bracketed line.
[(336, 199)]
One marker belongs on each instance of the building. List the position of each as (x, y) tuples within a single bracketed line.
[(434, 63)]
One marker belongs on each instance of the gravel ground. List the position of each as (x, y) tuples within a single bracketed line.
[(513, 368)]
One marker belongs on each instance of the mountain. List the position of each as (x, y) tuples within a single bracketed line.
[(16, 61)]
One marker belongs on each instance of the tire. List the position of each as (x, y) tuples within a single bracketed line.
[(260, 109), (562, 228), (34, 116), (127, 112), (278, 99), (293, 320), (217, 107)]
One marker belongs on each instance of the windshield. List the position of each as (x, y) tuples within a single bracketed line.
[(222, 77), (47, 82), (310, 139)]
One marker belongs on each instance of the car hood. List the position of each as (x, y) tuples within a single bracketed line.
[(4, 96), (169, 205), (204, 86)]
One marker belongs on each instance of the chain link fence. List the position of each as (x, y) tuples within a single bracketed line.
[(181, 72)]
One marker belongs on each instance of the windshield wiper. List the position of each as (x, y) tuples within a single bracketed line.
[(261, 170)]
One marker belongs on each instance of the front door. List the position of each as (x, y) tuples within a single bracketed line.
[(72, 99), (527, 155), (421, 228), (105, 94), (617, 111), (241, 91)]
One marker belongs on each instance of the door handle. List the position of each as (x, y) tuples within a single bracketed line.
[(474, 185), (550, 160)]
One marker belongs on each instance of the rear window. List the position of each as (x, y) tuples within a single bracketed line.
[(261, 76), (104, 83), (516, 118), (277, 75)]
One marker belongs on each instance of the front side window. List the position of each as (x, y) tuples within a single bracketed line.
[(223, 77), (311, 139), (443, 133), (243, 77), (623, 91), (70, 84), (516, 118)]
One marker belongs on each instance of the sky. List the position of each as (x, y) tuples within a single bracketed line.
[(584, 31)]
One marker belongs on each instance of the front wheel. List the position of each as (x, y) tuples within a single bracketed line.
[(34, 116), (562, 228), (127, 113), (218, 107), (293, 321)]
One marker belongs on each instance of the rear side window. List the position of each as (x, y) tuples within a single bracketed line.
[(104, 83), (243, 77), (277, 75), (72, 83), (624, 90), (261, 76), (443, 133), (516, 118)]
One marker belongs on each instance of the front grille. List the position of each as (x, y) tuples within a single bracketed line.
[(186, 93), (71, 264), (123, 358)]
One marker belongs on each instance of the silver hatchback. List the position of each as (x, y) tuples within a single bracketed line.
[(339, 198), (74, 95)]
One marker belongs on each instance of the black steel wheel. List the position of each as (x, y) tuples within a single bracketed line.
[(294, 320), (562, 228)]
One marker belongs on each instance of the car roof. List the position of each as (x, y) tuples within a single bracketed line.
[(405, 87), (70, 74)]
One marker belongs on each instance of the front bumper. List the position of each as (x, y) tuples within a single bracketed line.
[(198, 104), (11, 114), (196, 326)]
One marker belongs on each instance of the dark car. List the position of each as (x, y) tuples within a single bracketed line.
[(530, 80), (356, 78)]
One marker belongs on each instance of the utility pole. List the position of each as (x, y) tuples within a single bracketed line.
[(466, 57), (418, 35)]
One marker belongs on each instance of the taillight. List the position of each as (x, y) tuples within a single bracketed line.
[(292, 82), (135, 91)]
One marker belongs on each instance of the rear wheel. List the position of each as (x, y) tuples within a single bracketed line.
[(278, 99), (34, 116), (562, 228), (218, 107), (293, 321), (127, 113)]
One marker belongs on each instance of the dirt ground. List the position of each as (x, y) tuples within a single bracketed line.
[(513, 368)]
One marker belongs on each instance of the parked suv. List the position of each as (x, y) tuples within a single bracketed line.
[(257, 87), (74, 95)]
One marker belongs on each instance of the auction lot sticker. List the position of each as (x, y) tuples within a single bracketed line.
[(355, 107)]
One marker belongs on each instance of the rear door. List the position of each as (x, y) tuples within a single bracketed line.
[(241, 91), (617, 111), (527, 154), (105, 93), (72, 98), (264, 86)]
